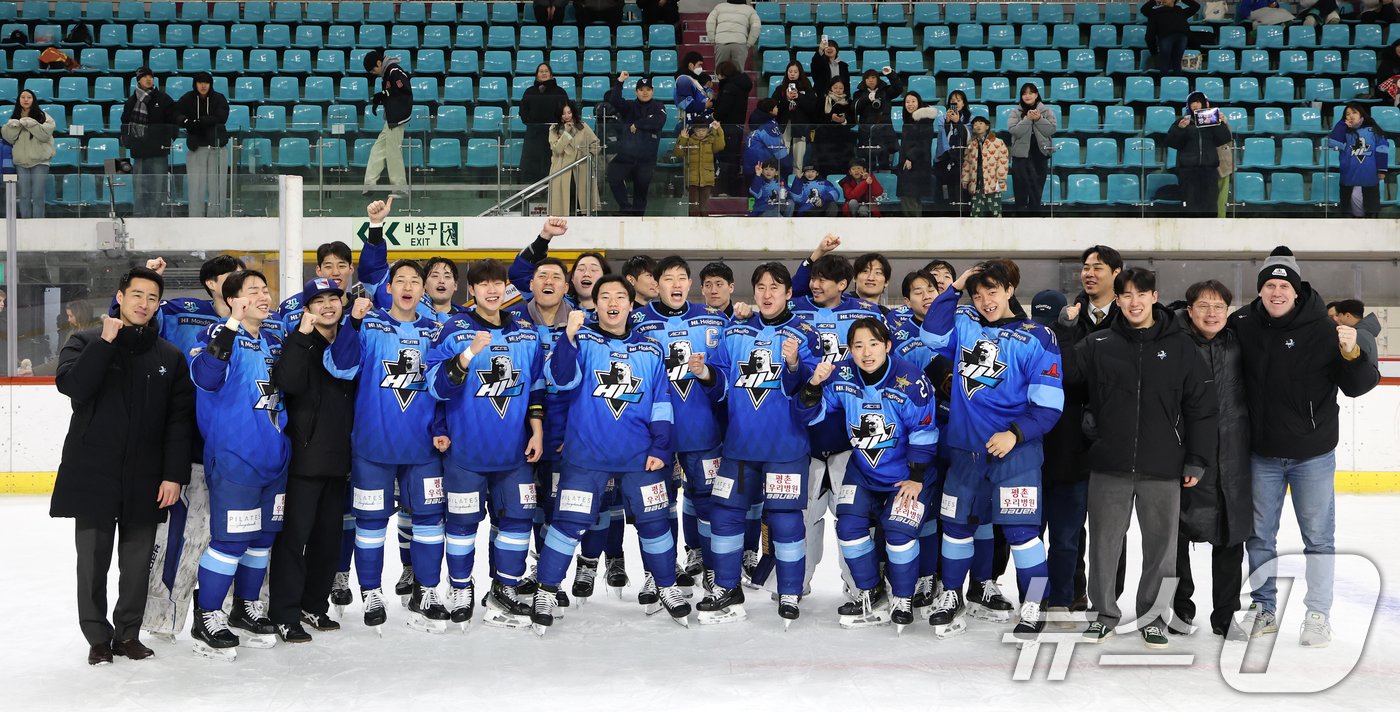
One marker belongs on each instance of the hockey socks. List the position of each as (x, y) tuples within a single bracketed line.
[(788, 532), (595, 538), (658, 550), (511, 548), (426, 549), (695, 516), (984, 553), (461, 552), (405, 524), (1028, 551), (558, 551), (929, 548), (616, 527), (958, 551), (217, 568), (252, 568), (728, 539), (369, 551), (858, 549)]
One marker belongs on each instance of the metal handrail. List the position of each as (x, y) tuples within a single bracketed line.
[(542, 184)]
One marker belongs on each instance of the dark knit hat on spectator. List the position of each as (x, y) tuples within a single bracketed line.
[(144, 72), (1046, 306), (1197, 96), (203, 77), (317, 287), (1281, 265)]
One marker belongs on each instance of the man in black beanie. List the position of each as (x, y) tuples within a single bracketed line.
[(1295, 360), (203, 113)]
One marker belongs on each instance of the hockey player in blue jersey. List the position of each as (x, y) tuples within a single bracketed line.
[(439, 290), (393, 443), (1007, 393), (619, 430), (758, 370), (335, 261), (487, 365), (588, 268), (685, 330), (886, 407), (245, 455)]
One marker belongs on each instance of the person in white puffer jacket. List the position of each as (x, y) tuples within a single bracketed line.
[(733, 28)]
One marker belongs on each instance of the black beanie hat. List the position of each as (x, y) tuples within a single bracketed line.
[(1281, 265)]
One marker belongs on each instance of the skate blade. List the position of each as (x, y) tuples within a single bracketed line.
[(899, 629), (870, 621), (616, 591), (540, 630), (683, 621), (340, 612), (652, 609), (732, 614), (688, 591), (225, 654), (403, 599), (952, 630), (378, 630), (256, 641), (991, 615), (419, 622), (168, 638), (787, 623), (923, 613), (507, 621)]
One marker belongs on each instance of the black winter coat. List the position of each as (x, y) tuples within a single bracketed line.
[(153, 138), (539, 107), (395, 93), (1293, 369), (1067, 445), (132, 424), (732, 101), (820, 72), (1153, 399), (320, 408), (1195, 145), (648, 117), (1220, 509), (204, 119), (916, 146)]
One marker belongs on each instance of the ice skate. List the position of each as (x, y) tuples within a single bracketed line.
[(685, 581), (461, 602), (426, 612), (319, 621), (924, 597), (584, 574), (501, 609), (901, 613), (674, 601), (787, 609), (404, 588), (725, 605), (616, 574), (1032, 621), (250, 618), (870, 609), (529, 582), (542, 612), (212, 637), (340, 593), (649, 597), (373, 601), (985, 602), (750, 563), (694, 562), (948, 618)]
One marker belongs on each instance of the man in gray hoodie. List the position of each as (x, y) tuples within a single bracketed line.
[(1348, 312)]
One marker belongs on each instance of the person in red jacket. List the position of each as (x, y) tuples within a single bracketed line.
[(862, 192)]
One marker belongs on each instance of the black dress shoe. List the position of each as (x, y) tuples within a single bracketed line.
[(100, 654), (133, 649)]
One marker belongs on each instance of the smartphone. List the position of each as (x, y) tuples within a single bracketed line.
[(825, 39), (1207, 117)]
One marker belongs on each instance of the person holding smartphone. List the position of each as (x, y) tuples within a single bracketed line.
[(1195, 136)]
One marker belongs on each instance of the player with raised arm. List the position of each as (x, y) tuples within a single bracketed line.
[(241, 416), (487, 365), (1007, 393), (886, 407), (758, 369), (619, 430), (685, 329), (393, 442)]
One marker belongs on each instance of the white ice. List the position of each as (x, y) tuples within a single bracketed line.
[(608, 655)]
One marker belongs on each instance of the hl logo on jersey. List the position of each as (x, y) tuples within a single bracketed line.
[(269, 396), (872, 437), (405, 377), (500, 384), (979, 367), (832, 351), (759, 376), (618, 387), (678, 368)]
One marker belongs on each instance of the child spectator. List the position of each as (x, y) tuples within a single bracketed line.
[(984, 169), (814, 195), (862, 192), (697, 147), (769, 195), (1363, 159)]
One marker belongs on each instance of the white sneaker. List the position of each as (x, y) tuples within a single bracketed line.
[(1317, 631), (1061, 618)]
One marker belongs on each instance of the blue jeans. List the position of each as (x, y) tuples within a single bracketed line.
[(1311, 482), (1065, 506), (1169, 51)]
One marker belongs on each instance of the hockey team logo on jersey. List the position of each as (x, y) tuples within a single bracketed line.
[(872, 437), (618, 387), (405, 376), (831, 347), (678, 368), (759, 376), (980, 368), (500, 383), (269, 396)]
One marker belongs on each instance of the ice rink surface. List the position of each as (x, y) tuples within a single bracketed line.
[(608, 655)]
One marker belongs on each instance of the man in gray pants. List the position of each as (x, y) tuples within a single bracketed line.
[(203, 113), (1155, 406)]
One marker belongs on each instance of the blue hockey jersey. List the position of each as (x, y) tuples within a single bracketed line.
[(906, 342), (1006, 376), (806, 194), (831, 325), (889, 424), (765, 421), (393, 413), (486, 412), (620, 408), (697, 329), (238, 407)]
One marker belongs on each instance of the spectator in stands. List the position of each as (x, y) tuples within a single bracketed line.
[(828, 66), (796, 104), (1320, 12), (1032, 127), (569, 139), (731, 111), (697, 148), (204, 114), (1169, 23), (1262, 12), (874, 99), (768, 193), (539, 108), (1196, 137), (733, 28), (641, 121), (717, 287), (1349, 312), (814, 195), (833, 143), (1384, 12), (396, 96), (915, 155), (608, 12), (660, 12), (984, 169), (1363, 157), (861, 191), (1387, 80), (694, 98), (952, 138), (550, 13), (765, 141), (148, 120), (30, 132)]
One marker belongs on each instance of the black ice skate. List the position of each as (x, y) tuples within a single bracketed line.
[(674, 601), (694, 562), (212, 637), (616, 574), (404, 588), (426, 612), (250, 618), (724, 605), (985, 602), (649, 597), (924, 595), (340, 593), (373, 601), (870, 609), (787, 608), (1032, 621), (947, 618), (461, 601), (584, 573), (542, 612), (501, 609), (751, 558), (901, 613)]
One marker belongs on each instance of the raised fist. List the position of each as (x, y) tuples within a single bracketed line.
[(156, 264), (821, 373), (742, 311), (238, 306), (1071, 312), (308, 323), (379, 209), (790, 352), (480, 341), (623, 76), (111, 326), (827, 244), (574, 324), (362, 307), (554, 227), (697, 365), (1346, 337)]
